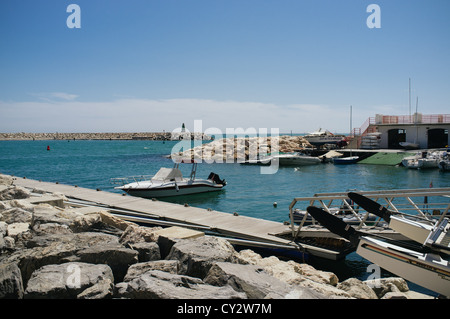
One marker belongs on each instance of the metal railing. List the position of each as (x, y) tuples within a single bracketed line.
[(427, 204), (129, 179)]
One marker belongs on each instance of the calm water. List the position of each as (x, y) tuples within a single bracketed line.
[(91, 164)]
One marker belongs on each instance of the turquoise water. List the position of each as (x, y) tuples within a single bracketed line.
[(91, 164)]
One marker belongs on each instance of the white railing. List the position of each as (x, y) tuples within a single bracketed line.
[(428, 204)]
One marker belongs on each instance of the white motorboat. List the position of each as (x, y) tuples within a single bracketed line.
[(169, 182), (323, 137), (425, 269), (428, 232), (428, 270), (422, 160), (296, 159)]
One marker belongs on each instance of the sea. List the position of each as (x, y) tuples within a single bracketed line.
[(92, 163)]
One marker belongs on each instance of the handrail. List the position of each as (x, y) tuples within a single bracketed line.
[(409, 207)]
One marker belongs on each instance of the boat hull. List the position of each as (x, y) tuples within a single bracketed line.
[(170, 190), (345, 160), (416, 231), (427, 270)]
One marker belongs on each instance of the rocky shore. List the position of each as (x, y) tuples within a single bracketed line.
[(233, 149), (51, 250), (158, 136)]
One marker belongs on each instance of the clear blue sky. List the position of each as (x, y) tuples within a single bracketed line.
[(149, 65)]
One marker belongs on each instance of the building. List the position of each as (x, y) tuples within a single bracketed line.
[(388, 131)]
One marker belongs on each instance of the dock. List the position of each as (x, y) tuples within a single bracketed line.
[(239, 230)]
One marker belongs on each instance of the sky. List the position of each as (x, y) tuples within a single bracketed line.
[(151, 65)]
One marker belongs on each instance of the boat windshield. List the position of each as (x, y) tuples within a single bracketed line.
[(168, 174)]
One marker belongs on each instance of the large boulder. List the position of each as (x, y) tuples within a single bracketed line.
[(116, 256), (155, 284), (198, 255), (66, 280), (357, 289), (11, 286), (253, 281)]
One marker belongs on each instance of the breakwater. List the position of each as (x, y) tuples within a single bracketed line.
[(155, 136), (50, 249)]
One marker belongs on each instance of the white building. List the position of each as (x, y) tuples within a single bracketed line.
[(429, 131)]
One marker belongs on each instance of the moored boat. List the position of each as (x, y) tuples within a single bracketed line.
[(323, 137), (296, 159), (170, 182), (428, 270), (345, 160)]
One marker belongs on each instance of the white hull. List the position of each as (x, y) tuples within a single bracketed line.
[(296, 159), (427, 270), (416, 231), (444, 165), (170, 189), (345, 160), (323, 137)]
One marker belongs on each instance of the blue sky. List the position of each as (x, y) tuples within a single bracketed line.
[(149, 65)]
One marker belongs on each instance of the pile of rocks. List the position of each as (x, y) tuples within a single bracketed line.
[(51, 250), (103, 136), (233, 149)]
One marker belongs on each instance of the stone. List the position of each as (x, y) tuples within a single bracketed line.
[(155, 284), (103, 289), (146, 251), (198, 255), (117, 257), (16, 215), (384, 285), (135, 270), (167, 237), (254, 282), (134, 234), (16, 229), (65, 281), (357, 289), (13, 192), (11, 286)]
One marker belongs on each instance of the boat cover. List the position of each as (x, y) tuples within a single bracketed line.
[(165, 173)]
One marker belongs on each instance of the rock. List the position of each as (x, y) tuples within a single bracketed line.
[(67, 280), (11, 286), (54, 249), (103, 289), (6, 180), (155, 284), (117, 257), (167, 237), (357, 289), (250, 279), (384, 285), (3, 228), (169, 266), (135, 234), (17, 229), (198, 255), (16, 215), (290, 271), (13, 192), (147, 251), (45, 213)]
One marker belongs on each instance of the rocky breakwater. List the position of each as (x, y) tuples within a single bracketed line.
[(51, 250), (157, 136), (234, 149)]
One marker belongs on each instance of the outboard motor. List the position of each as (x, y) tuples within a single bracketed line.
[(216, 179)]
